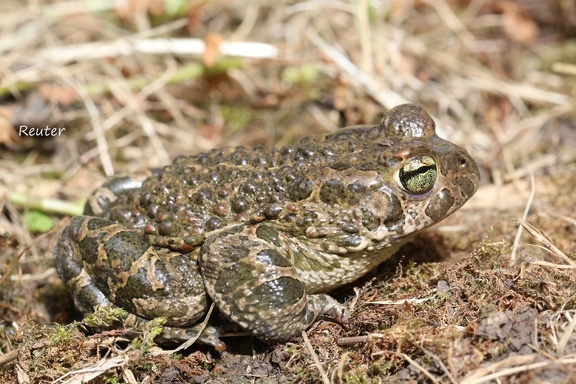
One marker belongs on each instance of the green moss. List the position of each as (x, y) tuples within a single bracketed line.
[(236, 117), (61, 334), (104, 317)]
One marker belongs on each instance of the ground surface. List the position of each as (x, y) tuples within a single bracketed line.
[(486, 296)]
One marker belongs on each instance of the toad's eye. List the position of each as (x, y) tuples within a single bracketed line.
[(418, 175)]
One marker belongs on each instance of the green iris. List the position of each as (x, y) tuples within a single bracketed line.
[(418, 175)]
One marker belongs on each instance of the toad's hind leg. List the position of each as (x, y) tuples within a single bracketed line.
[(248, 273), (68, 261), (106, 264)]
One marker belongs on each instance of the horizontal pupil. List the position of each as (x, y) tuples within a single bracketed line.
[(406, 175)]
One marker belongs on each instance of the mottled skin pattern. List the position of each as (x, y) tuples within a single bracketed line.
[(263, 233)]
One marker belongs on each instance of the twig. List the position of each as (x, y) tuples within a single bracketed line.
[(345, 341), (9, 357), (127, 47)]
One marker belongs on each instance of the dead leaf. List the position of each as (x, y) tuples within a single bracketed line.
[(518, 26), (195, 16), (8, 135), (129, 11), (59, 94), (211, 53)]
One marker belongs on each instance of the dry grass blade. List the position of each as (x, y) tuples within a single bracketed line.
[(315, 358), (441, 364), (92, 371), (452, 21), (193, 340), (551, 265), (375, 88), (522, 219), (523, 91), (420, 368), (567, 219), (511, 366), (8, 271), (341, 364), (132, 103), (404, 301), (564, 68), (537, 234), (94, 115), (566, 336)]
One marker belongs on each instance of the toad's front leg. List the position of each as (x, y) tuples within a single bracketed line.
[(249, 274)]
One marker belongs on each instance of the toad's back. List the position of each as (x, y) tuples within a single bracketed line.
[(340, 185)]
